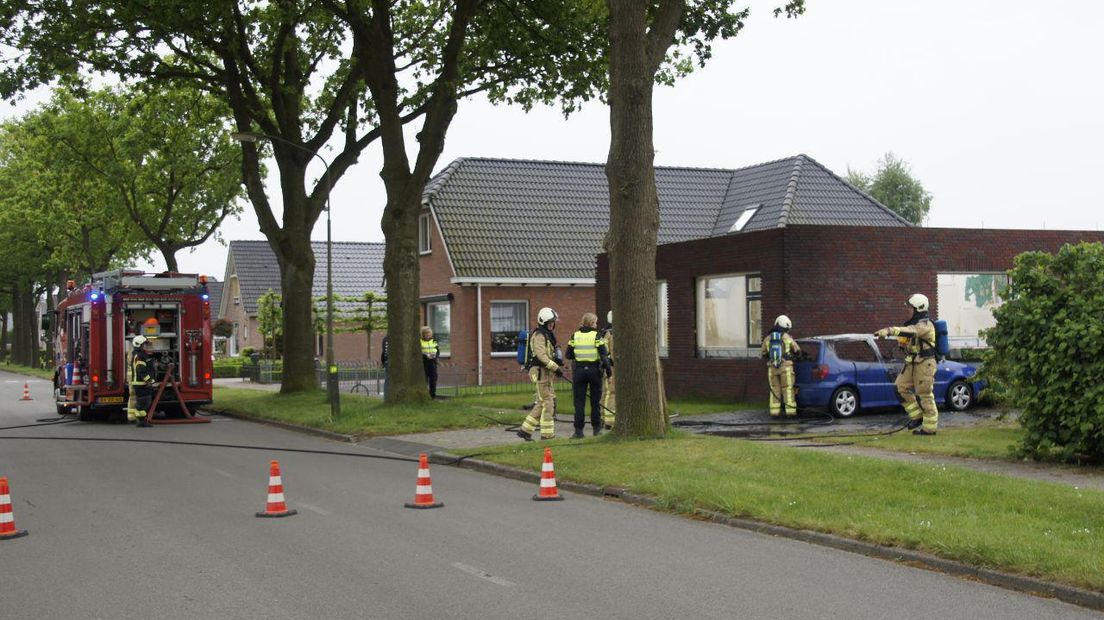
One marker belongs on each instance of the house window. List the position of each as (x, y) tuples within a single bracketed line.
[(755, 309), (727, 317), (439, 319), (661, 317), (424, 231), (744, 218), (234, 341), (507, 319), (966, 302)]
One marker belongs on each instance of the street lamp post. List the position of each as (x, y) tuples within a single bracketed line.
[(332, 388)]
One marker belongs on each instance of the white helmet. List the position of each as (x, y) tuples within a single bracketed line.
[(609, 317), (139, 341), (546, 315), (783, 321), (919, 302)]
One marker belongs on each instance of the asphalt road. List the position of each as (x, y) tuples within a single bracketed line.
[(133, 530)]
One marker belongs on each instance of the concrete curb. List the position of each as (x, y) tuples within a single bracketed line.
[(284, 425), (1029, 585)]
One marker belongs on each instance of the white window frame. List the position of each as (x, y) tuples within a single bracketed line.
[(425, 235), (490, 332), (428, 309), (662, 320), (747, 349)]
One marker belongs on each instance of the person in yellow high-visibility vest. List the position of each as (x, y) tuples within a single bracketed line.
[(140, 380), (591, 359), (609, 387), (916, 383), (430, 351)]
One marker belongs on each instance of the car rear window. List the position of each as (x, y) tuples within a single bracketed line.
[(810, 349), (855, 351)]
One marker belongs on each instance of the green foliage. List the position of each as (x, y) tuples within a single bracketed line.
[(270, 318), (1047, 351), (893, 185), (246, 352)]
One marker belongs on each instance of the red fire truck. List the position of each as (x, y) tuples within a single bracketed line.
[(97, 322)]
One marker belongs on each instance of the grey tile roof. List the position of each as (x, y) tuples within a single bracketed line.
[(214, 293), (357, 269), (546, 219)]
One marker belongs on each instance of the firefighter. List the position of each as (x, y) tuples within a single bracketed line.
[(588, 350), (542, 364), (916, 383), (609, 402), (780, 350), (430, 351), (141, 382)]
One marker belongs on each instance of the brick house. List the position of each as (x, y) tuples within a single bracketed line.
[(251, 270), (715, 295), (500, 239)]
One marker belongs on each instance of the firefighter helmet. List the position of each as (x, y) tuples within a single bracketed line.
[(783, 321), (609, 317), (546, 315), (139, 341), (919, 302)]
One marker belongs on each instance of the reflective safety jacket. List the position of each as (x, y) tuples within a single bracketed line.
[(921, 340), (139, 370), (542, 350), (429, 349), (790, 350), (586, 347)]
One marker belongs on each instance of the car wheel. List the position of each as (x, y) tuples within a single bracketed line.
[(959, 396), (845, 402)]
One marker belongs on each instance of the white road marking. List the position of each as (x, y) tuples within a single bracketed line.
[(225, 473), (482, 574), (316, 509)]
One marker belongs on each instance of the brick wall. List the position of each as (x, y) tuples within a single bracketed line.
[(570, 302), (827, 279)]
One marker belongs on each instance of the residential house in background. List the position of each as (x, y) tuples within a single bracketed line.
[(501, 238), (251, 270)]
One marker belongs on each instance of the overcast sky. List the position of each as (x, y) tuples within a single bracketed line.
[(997, 106)]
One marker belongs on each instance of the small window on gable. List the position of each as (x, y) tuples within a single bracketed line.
[(744, 218), (424, 231)]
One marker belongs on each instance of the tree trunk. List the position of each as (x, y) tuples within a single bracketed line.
[(169, 253), (296, 259), (34, 327), (3, 335), (634, 221), (406, 378)]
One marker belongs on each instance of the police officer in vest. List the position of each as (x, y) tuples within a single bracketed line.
[(591, 362), (430, 351), (780, 350), (542, 365), (917, 379), (140, 380), (609, 388)]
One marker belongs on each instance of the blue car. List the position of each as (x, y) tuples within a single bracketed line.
[(848, 372)]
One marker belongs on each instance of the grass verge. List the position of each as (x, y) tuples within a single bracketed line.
[(360, 415), (982, 442), (1053, 532), (28, 370)]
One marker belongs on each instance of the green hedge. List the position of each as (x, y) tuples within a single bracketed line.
[(1047, 351)]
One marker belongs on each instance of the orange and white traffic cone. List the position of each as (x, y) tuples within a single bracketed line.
[(26, 392), (275, 507), (548, 491), (7, 518), (423, 494)]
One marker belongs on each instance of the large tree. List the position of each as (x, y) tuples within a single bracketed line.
[(893, 185), (641, 32), (167, 153), (313, 73)]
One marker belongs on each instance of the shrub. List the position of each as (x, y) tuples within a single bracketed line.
[(1047, 351)]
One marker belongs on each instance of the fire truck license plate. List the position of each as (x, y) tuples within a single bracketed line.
[(108, 400)]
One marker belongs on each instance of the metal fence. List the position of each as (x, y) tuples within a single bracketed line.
[(369, 378)]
